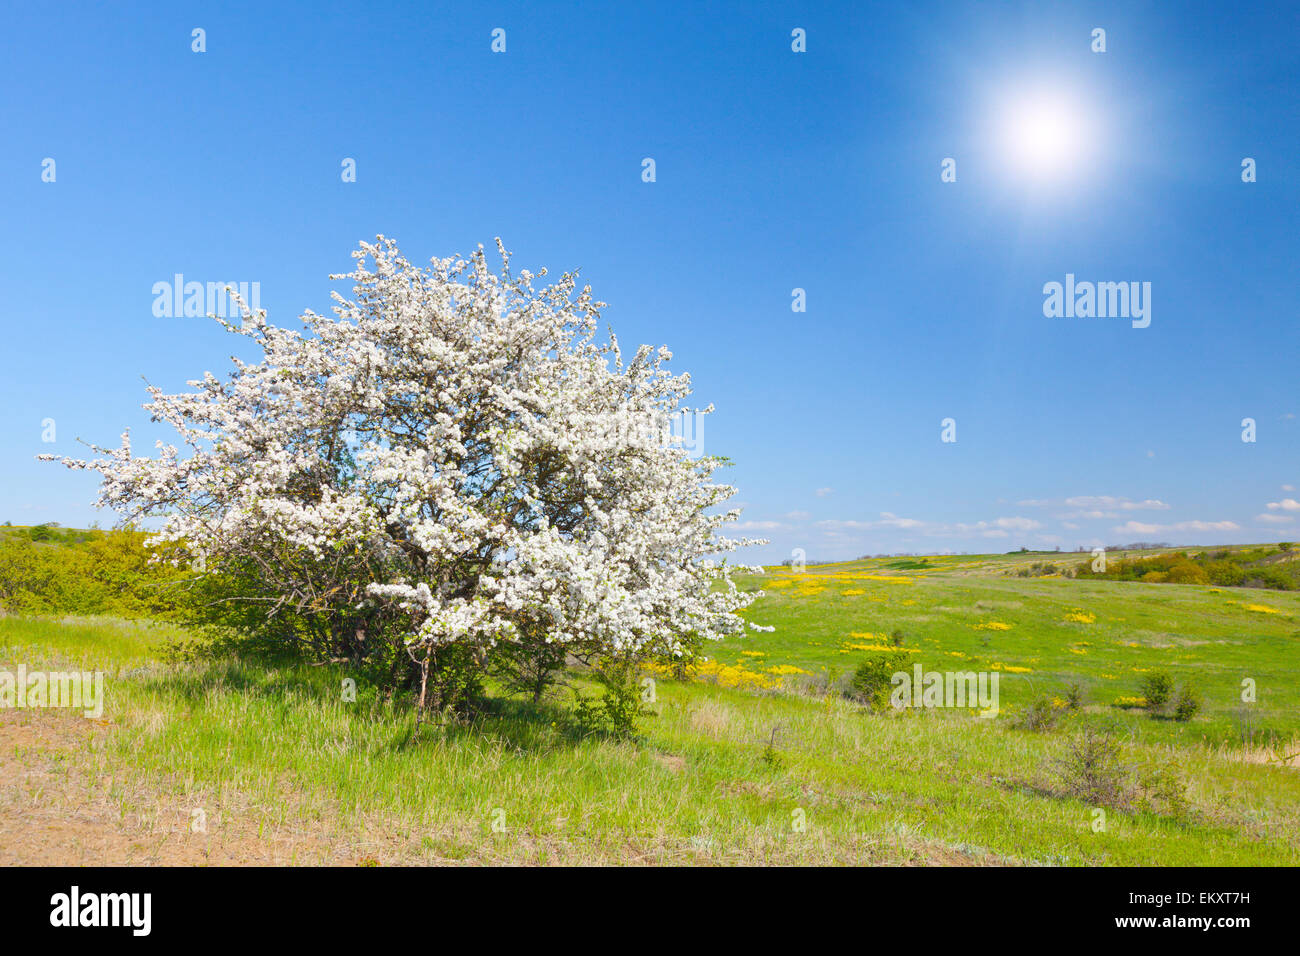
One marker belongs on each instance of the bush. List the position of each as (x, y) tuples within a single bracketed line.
[(1037, 570), (1074, 694), (1185, 572), (1157, 687), (1039, 715), (1161, 790), (455, 681), (873, 678), (1187, 704), (532, 665), (453, 457), (618, 710), (1253, 567), (1091, 769), (88, 572)]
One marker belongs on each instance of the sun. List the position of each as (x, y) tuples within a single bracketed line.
[(1041, 133), (1044, 135)]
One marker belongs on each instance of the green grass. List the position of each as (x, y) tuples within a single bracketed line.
[(1212, 637), (721, 775), (105, 643)]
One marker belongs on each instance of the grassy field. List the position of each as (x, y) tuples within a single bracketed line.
[(973, 613), (244, 762)]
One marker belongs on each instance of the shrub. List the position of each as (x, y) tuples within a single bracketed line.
[(1185, 572), (1039, 715), (1225, 573), (72, 572), (771, 753), (1187, 704), (1074, 694), (873, 678), (1156, 687), (455, 457), (1161, 790), (531, 665), (455, 683), (1091, 769), (1253, 567), (618, 710)]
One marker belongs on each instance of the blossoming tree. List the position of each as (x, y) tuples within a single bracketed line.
[(451, 461)]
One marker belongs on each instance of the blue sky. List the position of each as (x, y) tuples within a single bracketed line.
[(775, 170)]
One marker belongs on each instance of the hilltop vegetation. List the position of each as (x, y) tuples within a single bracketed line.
[(45, 569), (1277, 568)]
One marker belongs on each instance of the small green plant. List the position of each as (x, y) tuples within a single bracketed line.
[(896, 638), (1091, 769), (617, 711), (872, 680), (1156, 688), (1187, 704), (1161, 790), (1074, 694), (771, 754), (1040, 715)]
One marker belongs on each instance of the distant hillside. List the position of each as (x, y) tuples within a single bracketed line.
[(1276, 567)]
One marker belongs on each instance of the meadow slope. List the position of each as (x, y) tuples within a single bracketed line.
[(752, 761)]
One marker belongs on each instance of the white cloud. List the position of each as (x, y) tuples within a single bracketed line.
[(1110, 502), (796, 516), (890, 520), (1095, 507), (1275, 519), (1018, 524), (997, 528), (823, 492), (1138, 527), (835, 524), (887, 520), (1286, 504)]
